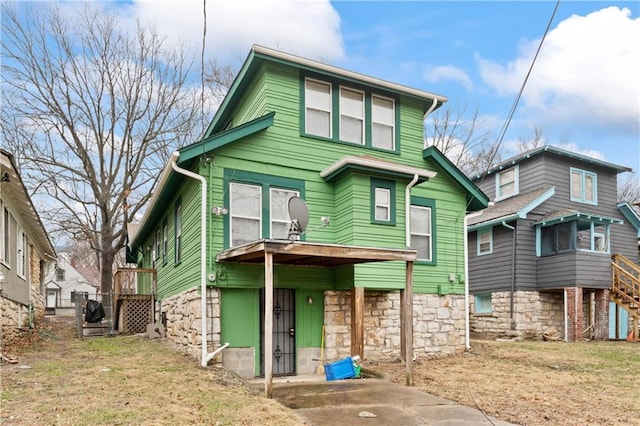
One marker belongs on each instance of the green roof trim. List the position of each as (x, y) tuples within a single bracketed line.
[(218, 140), (476, 199), (259, 55), (631, 215)]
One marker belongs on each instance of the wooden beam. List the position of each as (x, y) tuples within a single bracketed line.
[(408, 324), (268, 324), (403, 343), (357, 321)]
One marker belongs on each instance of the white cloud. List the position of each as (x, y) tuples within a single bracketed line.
[(436, 74), (586, 74), (309, 28)]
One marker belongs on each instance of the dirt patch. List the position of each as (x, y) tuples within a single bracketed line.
[(534, 383), (63, 380), (60, 379)]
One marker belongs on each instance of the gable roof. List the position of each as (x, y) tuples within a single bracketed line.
[(368, 163), (476, 199), (555, 150), (13, 189), (631, 215), (512, 208), (259, 55)]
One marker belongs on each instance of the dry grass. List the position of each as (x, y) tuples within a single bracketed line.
[(124, 380), (536, 383)]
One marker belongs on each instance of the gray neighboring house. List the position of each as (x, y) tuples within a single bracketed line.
[(25, 252), (543, 254)]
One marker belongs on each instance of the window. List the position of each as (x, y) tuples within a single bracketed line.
[(4, 230), (165, 240), (383, 195), (422, 229), (483, 303), (279, 209), (258, 206), (583, 186), (574, 235), (485, 242), (382, 122), (23, 258), (245, 216), (351, 115), (59, 274), (178, 240), (158, 244), (507, 183), (318, 108)]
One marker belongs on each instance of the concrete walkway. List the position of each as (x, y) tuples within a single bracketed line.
[(372, 402)]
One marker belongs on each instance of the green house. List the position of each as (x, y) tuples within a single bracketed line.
[(384, 243)]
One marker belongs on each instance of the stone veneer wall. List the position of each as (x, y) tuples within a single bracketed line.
[(438, 325), (14, 317), (184, 327), (533, 313)]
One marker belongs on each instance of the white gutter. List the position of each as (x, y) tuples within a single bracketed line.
[(203, 251), (407, 210), (467, 339)]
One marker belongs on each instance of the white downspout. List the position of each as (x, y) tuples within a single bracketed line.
[(203, 250), (467, 339)]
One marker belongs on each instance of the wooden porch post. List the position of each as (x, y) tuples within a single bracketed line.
[(357, 321), (406, 324), (268, 324)]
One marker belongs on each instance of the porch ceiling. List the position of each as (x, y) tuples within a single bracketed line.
[(302, 253)]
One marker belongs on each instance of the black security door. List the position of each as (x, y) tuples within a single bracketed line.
[(284, 337)]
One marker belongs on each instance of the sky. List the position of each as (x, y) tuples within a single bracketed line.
[(583, 91)]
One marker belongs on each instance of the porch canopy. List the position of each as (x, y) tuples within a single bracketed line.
[(302, 253)]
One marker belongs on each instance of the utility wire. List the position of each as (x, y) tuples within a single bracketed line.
[(524, 83)]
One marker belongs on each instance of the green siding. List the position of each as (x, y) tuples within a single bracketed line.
[(309, 318)]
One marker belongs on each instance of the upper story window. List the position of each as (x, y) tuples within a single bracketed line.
[(507, 183), (258, 206), (318, 108), (485, 242), (351, 115), (583, 186), (158, 244), (383, 196), (423, 229), (59, 274)]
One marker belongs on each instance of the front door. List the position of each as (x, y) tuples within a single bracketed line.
[(51, 298), (284, 337)]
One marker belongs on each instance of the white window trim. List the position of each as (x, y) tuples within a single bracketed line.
[(423, 234), (22, 252), (480, 232), (362, 117), (4, 232), (387, 206), (583, 193), (272, 220), (307, 107), (233, 215), (516, 182), (392, 124)]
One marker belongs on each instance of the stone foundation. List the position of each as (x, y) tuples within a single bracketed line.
[(183, 314), (438, 325), (17, 318), (533, 313)]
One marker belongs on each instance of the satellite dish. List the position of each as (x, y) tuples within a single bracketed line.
[(299, 215)]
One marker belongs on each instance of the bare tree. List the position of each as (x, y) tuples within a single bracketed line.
[(465, 142), (93, 110), (629, 189)]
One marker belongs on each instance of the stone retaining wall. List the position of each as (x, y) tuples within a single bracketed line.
[(438, 325), (184, 327), (533, 313)]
